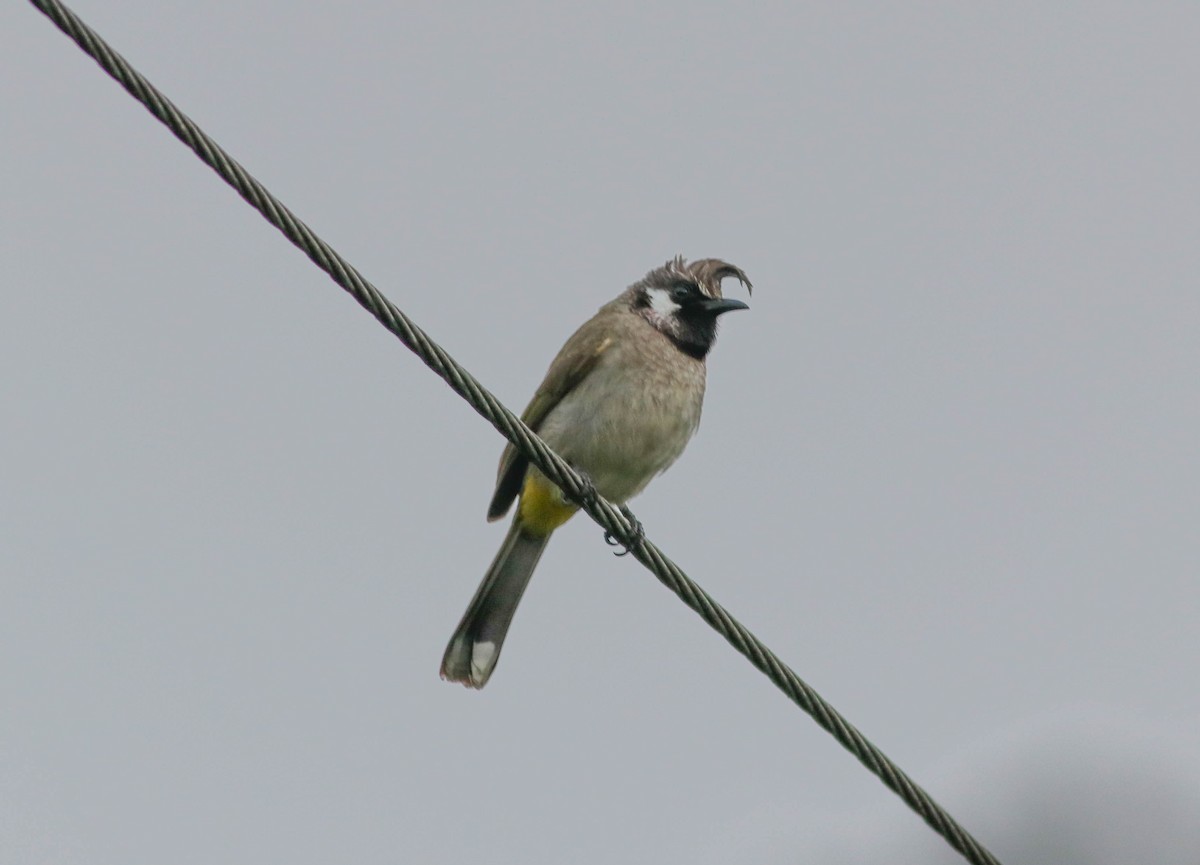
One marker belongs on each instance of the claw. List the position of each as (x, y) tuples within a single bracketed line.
[(636, 535), (588, 495)]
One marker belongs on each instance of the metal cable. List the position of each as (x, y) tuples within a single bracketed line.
[(527, 442)]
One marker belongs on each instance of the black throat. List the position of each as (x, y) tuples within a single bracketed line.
[(698, 350), (695, 331)]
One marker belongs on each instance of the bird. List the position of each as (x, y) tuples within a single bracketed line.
[(619, 403)]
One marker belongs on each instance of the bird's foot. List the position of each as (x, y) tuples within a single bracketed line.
[(636, 535), (587, 491)]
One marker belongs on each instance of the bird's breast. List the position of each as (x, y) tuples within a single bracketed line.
[(629, 419)]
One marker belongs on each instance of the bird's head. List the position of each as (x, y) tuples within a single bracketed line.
[(684, 301)]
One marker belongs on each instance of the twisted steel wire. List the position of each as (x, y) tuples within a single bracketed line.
[(609, 517)]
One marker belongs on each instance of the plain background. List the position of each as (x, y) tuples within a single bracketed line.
[(948, 467)]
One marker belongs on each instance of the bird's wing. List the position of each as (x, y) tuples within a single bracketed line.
[(574, 361)]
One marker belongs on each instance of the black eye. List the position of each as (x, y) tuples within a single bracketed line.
[(683, 291)]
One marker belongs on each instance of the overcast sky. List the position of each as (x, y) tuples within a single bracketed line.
[(948, 466)]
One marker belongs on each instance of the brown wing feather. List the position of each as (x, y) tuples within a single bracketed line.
[(574, 361)]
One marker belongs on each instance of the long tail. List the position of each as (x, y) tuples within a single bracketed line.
[(475, 647)]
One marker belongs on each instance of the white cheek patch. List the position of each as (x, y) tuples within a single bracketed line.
[(661, 303)]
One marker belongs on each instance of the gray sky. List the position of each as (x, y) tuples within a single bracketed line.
[(948, 465)]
